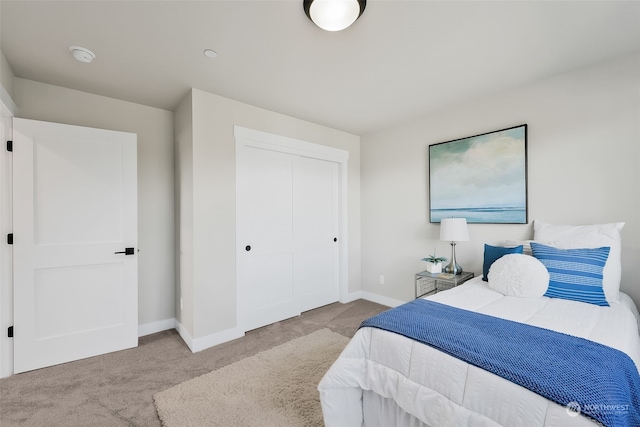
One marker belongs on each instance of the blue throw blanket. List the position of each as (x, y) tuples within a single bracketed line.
[(568, 370)]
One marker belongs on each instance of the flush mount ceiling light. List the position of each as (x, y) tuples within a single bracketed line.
[(82, 54), (334, 15)]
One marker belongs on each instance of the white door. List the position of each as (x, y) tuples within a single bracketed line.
[(74, 213), (265, 237), (287, 250), (315, 230)]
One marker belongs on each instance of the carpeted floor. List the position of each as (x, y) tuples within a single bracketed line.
[(117, 389), (274, 388)]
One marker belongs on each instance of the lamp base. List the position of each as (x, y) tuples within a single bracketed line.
[(453, 267)]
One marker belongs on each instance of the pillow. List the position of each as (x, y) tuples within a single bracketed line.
[(519, 275), (574, 274), (492, 253), (589, 236)]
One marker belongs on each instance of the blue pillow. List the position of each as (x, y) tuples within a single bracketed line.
[(574, 274), (492, 253)]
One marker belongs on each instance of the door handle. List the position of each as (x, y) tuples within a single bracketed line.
[(127, 251)]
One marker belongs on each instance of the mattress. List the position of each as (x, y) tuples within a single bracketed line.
[(436, 389)]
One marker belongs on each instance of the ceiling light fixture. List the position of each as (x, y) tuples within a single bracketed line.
[(82, 54), (334, 15)]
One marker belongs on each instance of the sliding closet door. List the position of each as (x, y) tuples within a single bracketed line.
[(315, 230), (287, 235), (265, 237)]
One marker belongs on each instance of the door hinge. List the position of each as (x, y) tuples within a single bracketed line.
[(10, 332), (10, 239), (9, 145)]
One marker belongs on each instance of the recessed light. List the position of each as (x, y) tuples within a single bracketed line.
[(210, 53), (82, 54)]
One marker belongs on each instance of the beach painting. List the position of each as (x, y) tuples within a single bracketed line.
[(482, 178)]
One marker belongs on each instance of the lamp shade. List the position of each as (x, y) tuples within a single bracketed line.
[(454, 230), (333, 15)]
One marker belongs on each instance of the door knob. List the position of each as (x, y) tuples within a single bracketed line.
[(247, 248), (127, 251)]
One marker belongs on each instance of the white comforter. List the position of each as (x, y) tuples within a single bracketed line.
[(441, 390)]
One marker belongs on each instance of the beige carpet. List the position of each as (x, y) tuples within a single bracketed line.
[(276, 387)]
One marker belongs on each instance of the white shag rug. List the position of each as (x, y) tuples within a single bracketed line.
[(276, 387)]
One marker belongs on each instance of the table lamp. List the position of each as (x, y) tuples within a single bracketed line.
[(453, 230)]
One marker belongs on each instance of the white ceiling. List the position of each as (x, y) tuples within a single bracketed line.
[(399, 60)]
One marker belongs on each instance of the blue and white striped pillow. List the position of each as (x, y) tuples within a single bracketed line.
[(574, 274)]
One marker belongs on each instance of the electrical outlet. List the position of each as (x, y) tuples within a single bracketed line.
[(381, 279)]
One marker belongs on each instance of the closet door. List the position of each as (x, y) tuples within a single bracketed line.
[(265, 237), (287, 231), (315, 230)]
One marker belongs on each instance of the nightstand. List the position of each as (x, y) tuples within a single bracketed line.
[(431, 283)]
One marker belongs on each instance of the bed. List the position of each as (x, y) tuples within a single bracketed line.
[(385, 378)]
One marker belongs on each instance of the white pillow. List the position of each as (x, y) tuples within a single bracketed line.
[(519, 275), (589, 236)]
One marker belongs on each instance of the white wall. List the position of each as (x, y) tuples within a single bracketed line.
[(156, 266), (6, 79), (213, 174), (584, 167), (184, 212)]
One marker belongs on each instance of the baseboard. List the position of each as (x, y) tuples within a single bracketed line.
[(389, 302), (351, 297), (154, 327), (199, 344), (184, 334)]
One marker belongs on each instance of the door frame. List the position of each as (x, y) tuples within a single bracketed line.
[(7, 112), (245, 137)]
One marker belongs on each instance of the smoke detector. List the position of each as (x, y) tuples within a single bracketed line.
[(210, 53), (82, 54)]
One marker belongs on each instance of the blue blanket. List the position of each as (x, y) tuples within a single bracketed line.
[(568, 370)]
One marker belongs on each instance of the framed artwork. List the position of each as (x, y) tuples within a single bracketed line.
[(482, 178)]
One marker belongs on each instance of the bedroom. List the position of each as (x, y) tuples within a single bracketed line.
[(595, 106)]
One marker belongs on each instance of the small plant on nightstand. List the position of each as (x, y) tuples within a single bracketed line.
[(434, 263)]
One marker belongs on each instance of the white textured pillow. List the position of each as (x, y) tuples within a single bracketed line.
[(589, 236), (519, 275)]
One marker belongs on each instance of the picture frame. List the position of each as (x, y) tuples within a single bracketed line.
[(482, 178)]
